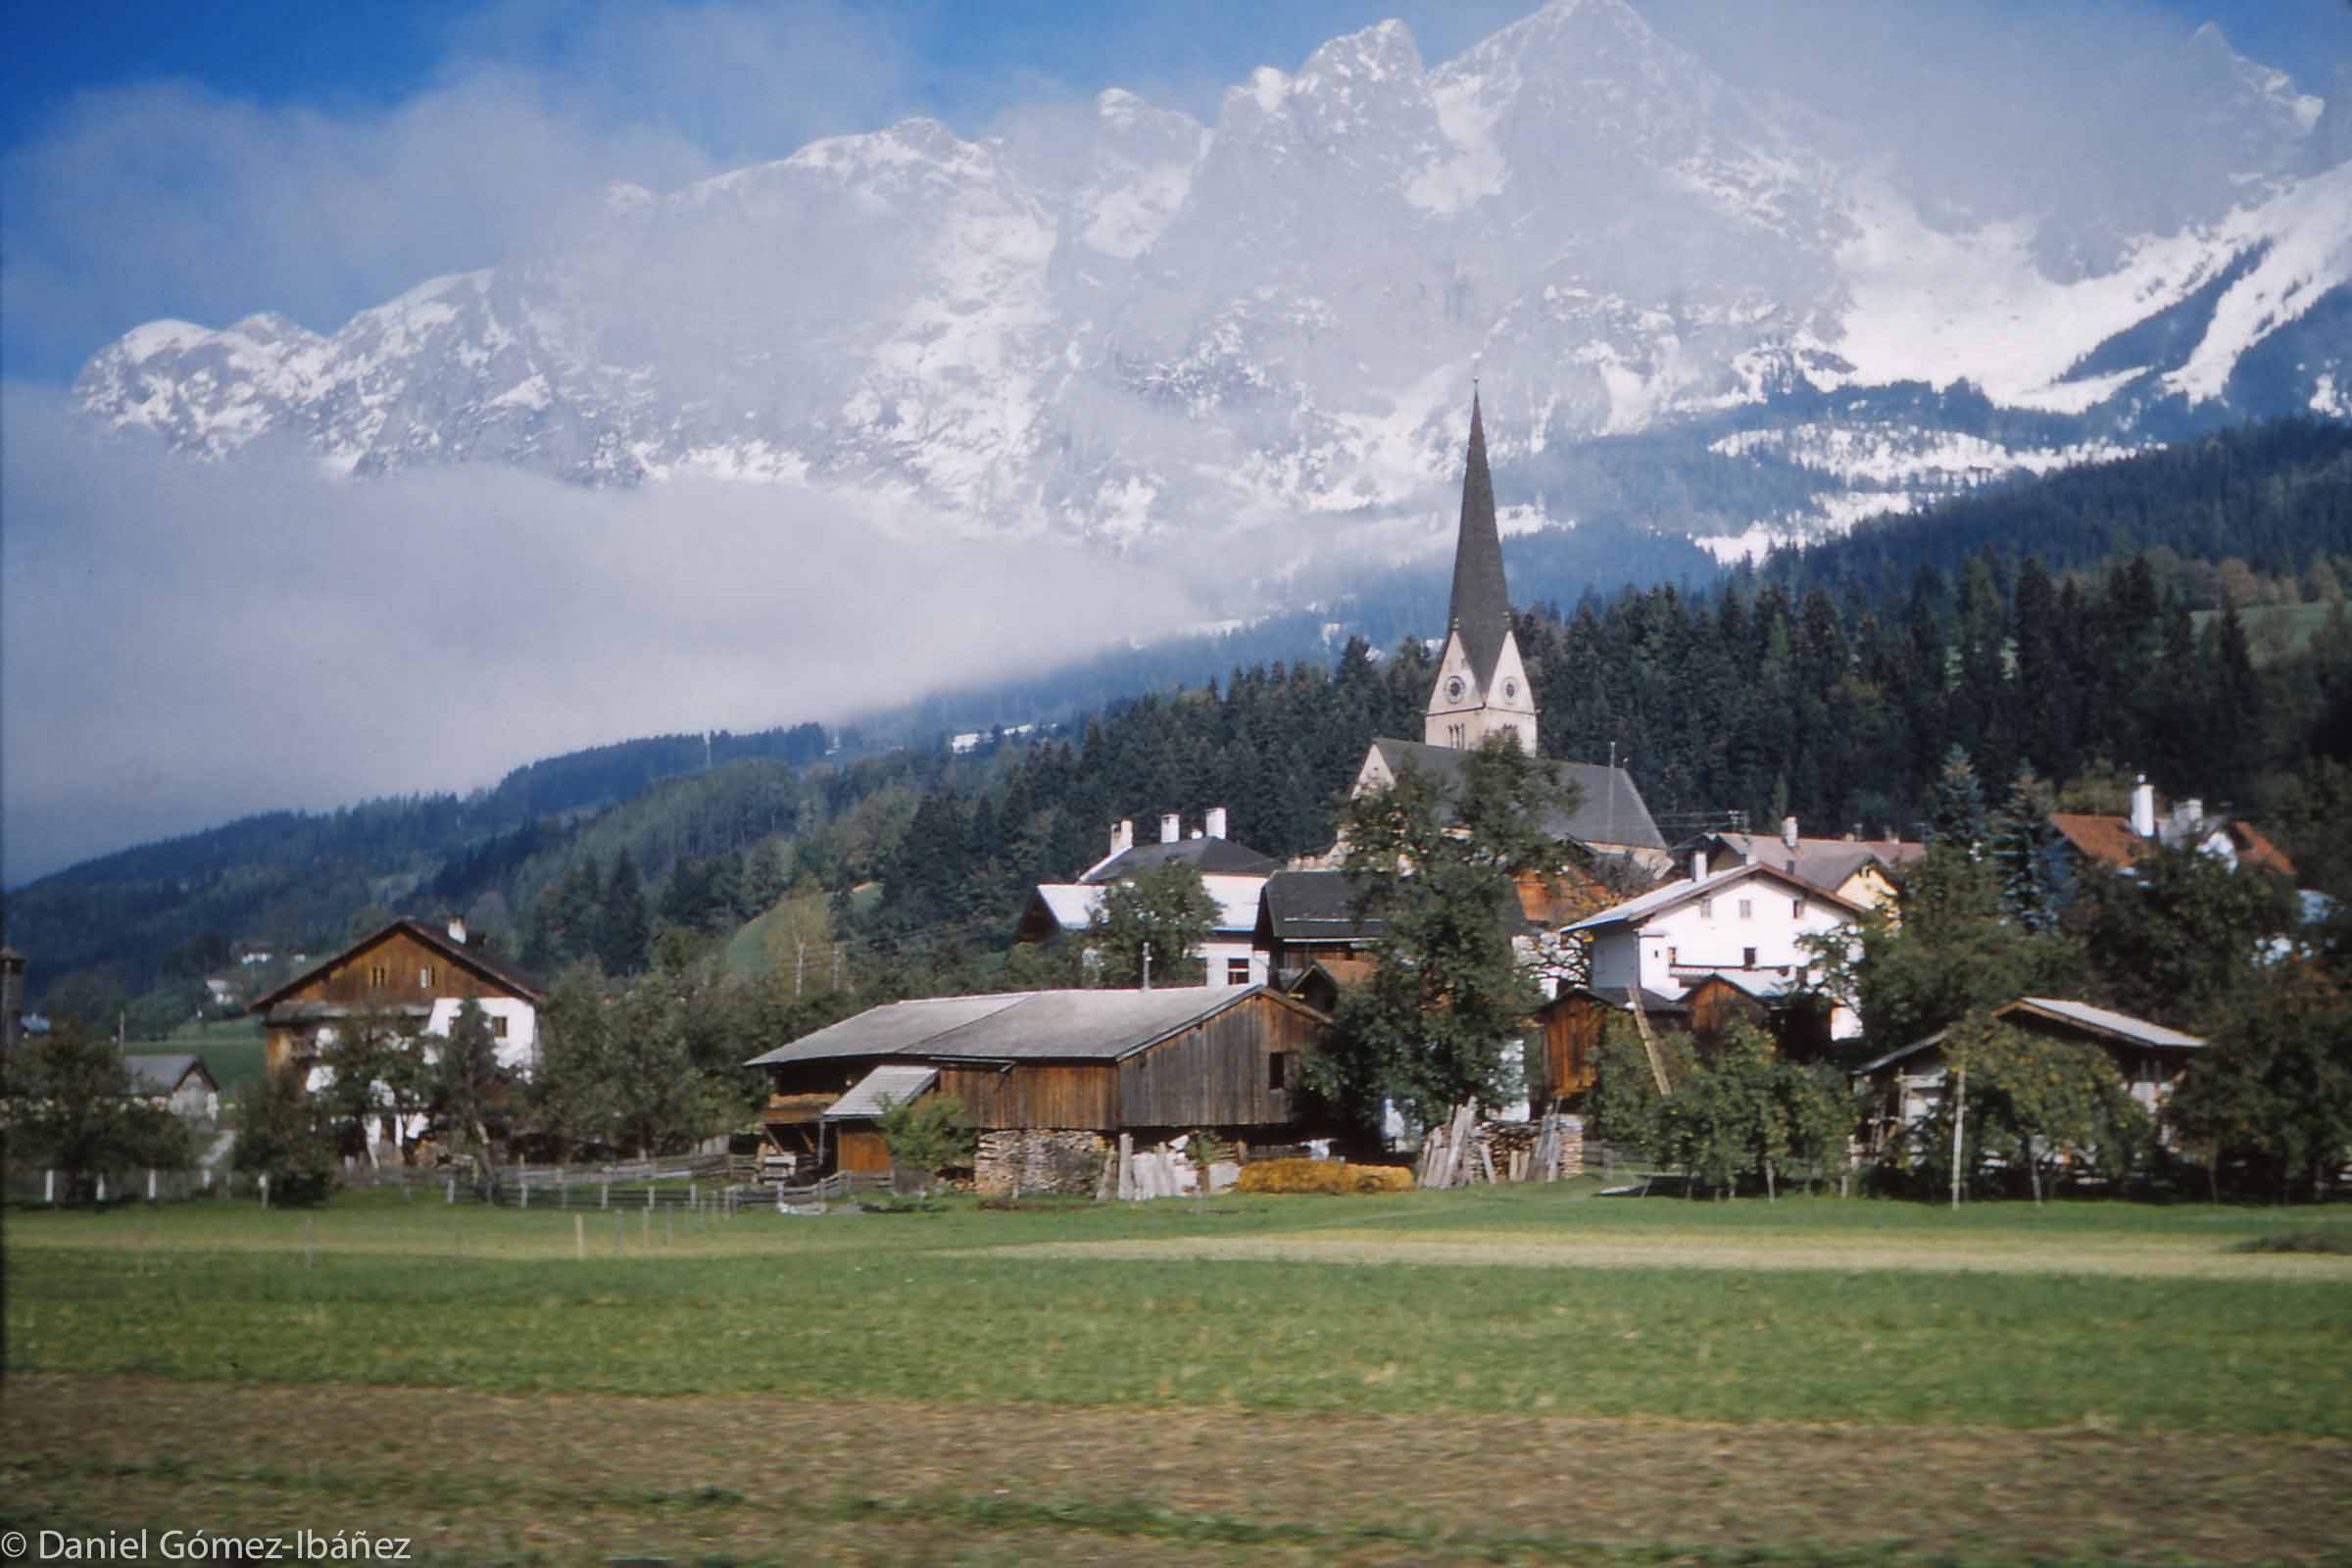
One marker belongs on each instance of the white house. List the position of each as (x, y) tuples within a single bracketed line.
[(1234, 875), (1748, 925)]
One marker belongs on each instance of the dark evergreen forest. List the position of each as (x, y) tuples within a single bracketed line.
[(2088, 626)]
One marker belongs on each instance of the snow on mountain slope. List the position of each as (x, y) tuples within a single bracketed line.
[(1112, 321)]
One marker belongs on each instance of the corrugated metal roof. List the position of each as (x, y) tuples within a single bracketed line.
[(1023, 1026), (2109, 1022), (879, 1089)]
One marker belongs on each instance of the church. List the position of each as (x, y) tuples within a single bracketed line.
[(1481, 689)]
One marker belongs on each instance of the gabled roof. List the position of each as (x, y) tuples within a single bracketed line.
[(160, 1073), (1608, 808), (1636, 911), (1825, 862), (1072, 904), (1621, 999), (1022, 1025), (2110, 840), (1314, 906), (1481, 606), (2103, 1023), (1211, 856), (504, 976)]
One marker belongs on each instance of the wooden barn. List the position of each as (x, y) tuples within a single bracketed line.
[(1706, 1013), (1048, 1077)]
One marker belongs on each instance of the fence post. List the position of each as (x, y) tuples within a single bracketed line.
[(579, 1237), (453, 1190), (208, 1178), (151, 1184), (649, 1190), (49, 1188), (620, 1227), (604, 1194), (526, 1190), (102, 1187), (264, 1189), (306, 1241)]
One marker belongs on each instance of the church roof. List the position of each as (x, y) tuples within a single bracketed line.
[(1481, 606), (1608, 808)]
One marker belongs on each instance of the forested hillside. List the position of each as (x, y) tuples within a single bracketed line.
[(2053, 625)]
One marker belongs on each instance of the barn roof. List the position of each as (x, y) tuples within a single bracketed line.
[(1315, 906), (2103, 1022), (1608, 808), (1021, 1025), (881, 1089), (159, 1073)]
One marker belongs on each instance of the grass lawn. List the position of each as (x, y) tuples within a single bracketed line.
[(1535, 1374), (232, 1047)]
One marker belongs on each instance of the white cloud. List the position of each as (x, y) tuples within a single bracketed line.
[(182, 644)]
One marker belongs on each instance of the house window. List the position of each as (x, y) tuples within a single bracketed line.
[(1277, 1066), (498, 1026), (1237, 971), (1796, 909), (379, 974), (1748, 957), (1747, 908), (424, 978), (1707, 909), (1674, 956)]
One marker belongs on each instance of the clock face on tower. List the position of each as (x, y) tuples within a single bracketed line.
[(1453, 689)]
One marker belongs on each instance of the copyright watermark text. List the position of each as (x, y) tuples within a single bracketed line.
[(201, 1545)]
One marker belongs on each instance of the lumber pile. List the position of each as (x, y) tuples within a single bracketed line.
[(1468, 1149)]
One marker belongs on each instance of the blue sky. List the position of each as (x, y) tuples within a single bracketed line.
[(207, 161)]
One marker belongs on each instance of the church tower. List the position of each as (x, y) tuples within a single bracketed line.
[(1482, 687)]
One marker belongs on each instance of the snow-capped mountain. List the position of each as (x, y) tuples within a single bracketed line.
[(1126, 324)]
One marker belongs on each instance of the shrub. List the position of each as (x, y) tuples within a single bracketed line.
[(1322, 1176)]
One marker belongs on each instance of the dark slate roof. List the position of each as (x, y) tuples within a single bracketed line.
[(1609, 809), (160, 1073), (1622, 998), (1220, 857), (503, 974), (1481, 606), (1314, 906), (1020, 1025)]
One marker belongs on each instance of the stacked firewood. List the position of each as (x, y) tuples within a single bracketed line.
[(1468, 1149)]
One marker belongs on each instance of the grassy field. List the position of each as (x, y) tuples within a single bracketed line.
[(1517, 1374), (232, 1047)]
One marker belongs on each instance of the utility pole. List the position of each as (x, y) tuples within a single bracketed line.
[(800, 967), (1147, 966), (1959, 1116)]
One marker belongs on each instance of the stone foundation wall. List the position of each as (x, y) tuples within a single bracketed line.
[(1039, 1160)]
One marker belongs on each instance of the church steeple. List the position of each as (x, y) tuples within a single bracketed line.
[(1481, 686), (1482, 604)]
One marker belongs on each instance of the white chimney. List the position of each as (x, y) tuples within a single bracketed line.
[(1122, 835), (1788, 831), (2191, 812), (1216, 822), (2143, 808), (457, 929), (1169, 832), (1699, 863)]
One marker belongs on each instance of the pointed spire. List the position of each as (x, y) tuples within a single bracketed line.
[(1482, 603)]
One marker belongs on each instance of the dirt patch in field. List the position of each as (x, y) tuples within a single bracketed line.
[(587, 1477), (1518, 1249)]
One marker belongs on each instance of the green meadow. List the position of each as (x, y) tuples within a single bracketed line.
[(1347, 1329)]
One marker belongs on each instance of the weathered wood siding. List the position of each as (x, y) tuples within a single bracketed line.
[(1219, 1073), (1571, 1054), (391, 973), (1040, 1095), (861, 1149)]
